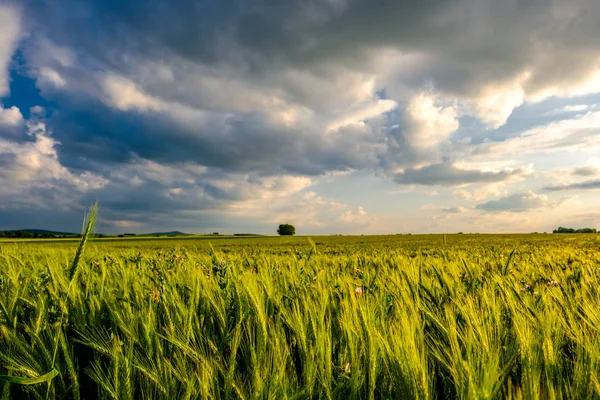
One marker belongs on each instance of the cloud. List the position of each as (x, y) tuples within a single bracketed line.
[(454, 210), (454, 45), (124, 95), (10, 117), (587, 170), (306, 55), (145, 194), (567, 176), (370, 111), (585, 185), (32, 176), (576, 108), (574, 134), (495, 102), (312, 211), (10, 31), (239, 87), (12, 124), (37, 111), (481, 192), (521, 202), (47, 75), (427, 124), (451, 174), (356, 217), (122, 223)]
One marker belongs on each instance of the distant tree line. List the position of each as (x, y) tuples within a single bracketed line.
[(23, 234), (26, 235), (571, 230)]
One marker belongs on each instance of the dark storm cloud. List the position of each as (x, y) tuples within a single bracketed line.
[(270, 29), (242, 143), (464, 45), (482, 33), (458, 39), (59, 220), (447, 174), (461, 32)]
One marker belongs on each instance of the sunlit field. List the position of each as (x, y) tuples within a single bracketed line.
[(401, 316)]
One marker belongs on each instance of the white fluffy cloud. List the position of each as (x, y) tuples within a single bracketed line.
[(429, 124), (495, 102), (31, 169), (123, 94), (10, 116), (47, 75)]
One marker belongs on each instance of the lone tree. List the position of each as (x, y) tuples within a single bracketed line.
[(286, 229)]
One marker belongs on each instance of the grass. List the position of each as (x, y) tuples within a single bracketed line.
[(420, 316)]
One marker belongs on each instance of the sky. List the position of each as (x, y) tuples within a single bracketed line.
[(337, 116)]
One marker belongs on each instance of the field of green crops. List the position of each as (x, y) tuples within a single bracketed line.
[(393, 317)]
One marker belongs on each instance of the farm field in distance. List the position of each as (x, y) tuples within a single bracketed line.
[(467, 316)]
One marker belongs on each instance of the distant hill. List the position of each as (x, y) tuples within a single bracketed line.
[(43, 231), (35, 233), (172, 233)]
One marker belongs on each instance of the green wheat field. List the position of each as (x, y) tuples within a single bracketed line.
[(358, 317)]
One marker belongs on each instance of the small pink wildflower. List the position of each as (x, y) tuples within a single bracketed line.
[(358, 290), (347, 368), (222, 262)]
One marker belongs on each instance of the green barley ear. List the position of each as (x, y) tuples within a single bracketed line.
[(30, 381), (88, 227), (512, 253), (313, 246)]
